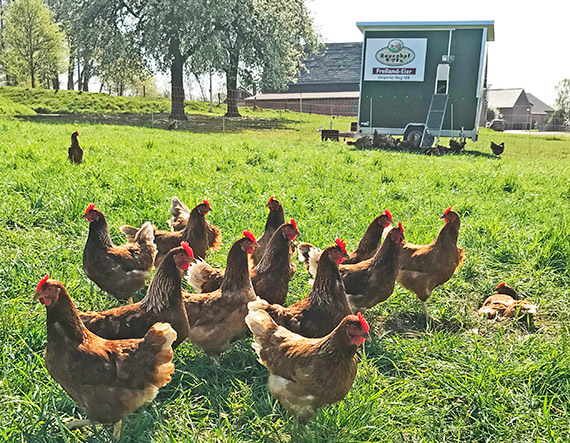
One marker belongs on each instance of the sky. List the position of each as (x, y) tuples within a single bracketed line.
[(532, 42)]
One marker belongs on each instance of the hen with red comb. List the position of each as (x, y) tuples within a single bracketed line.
[(75, 153), (217, 318), (425, 267), (307, 373), (372, 281), (120, 270), (198, 233), (366, 247), (323, 308), (270, 277), (275, 218)]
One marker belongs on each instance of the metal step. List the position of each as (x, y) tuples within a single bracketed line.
[(434, 120)]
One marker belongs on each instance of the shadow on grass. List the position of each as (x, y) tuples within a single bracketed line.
[(196, 123), (413, 323), (468, 153)]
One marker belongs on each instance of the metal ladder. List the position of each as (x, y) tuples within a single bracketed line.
[(434, 120)]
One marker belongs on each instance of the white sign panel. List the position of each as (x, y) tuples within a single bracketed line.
[(395, 59)]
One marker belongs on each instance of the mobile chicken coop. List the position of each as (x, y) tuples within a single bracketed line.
[(423, 80)]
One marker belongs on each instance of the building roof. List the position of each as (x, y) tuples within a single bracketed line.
[(538, 106), (304, 95), (337, 63), (503, 98), (488, 24)]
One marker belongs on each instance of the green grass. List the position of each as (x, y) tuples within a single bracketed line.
[(9, 108), (506, 383)]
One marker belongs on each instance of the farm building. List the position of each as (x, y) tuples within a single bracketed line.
[(518, 108), (328, 84)]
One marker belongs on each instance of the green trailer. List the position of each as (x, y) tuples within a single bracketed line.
[(423, 80)]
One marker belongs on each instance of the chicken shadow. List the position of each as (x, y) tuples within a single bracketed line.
[(414, 323), (470, 153)]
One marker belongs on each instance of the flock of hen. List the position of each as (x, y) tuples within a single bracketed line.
[(112, 362)]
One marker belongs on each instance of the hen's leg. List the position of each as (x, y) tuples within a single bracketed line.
[(117, 427)]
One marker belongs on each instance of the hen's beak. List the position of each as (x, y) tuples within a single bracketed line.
[(366, 336), (37, 296), (256, 245)]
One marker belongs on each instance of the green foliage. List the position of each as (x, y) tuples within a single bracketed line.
[(562, 104), (469, 380), (33, 44)]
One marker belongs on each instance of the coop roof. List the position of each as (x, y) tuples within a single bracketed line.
[(399, 26), (503, 98), (538, 106), (335, 63)]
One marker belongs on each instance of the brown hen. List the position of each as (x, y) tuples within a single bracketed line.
[(108, 378), (217, 318), (326, 305), (163, 302), (271, 276), (119, 270), (307, 373)]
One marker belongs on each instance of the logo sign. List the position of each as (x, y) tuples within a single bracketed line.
[(395, 54), (395, 59)]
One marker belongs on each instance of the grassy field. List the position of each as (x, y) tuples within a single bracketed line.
[(506, 382)]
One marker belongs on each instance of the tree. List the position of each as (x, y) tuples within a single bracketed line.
[(169, 33), (262, 42), (33, 44), (562, 103)]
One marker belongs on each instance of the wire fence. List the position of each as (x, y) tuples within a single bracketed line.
[(224, 115)]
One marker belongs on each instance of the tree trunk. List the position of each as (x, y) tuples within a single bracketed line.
[(55, 82), (177, 82), (231, 83), (33, 74), (70, 72)]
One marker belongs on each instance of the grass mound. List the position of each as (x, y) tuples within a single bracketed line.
[(8, 107)]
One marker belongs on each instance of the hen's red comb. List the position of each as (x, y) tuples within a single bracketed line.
[(363, 322), (447, 210), (90, 207), (187, 248), (41, 283), (76, 132), (294, 224), (207, 204), (388, 214), (249, 235), (271, 199), (502, 285), (400, 227), (341, 244)]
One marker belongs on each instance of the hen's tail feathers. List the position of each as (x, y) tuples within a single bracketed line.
[(214, 237), (461, 258), (199, 273), (258, 305), (260, 324), (161, 336), (310, 255), (180, 214), (145, 235), (303, 250), (314, 257), (130, 231)]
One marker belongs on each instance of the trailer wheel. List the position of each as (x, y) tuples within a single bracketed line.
[(414, 135)]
